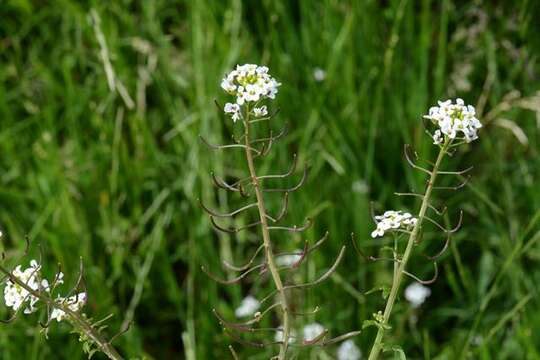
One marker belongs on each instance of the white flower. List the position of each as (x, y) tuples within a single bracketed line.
[(248, 307), (250, 83), (59, 278), (279, 335), (319, 74), (260, 111), (437, 137), (228, 86), (312, 331), (416, 294), (349, 351), (74, 303), (289, 259), (261, 70), (233, 109), (392, 220), (453, 119)]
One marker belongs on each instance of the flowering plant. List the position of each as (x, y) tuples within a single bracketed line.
[(251, 85), (456, 123)]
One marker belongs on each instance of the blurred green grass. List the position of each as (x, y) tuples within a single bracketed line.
[(108, 167)]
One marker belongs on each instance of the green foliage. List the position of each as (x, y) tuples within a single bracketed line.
[(109, 167)]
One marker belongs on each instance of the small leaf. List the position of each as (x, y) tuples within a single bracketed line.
[(387, 248), (368, 323), (399, 354), (91, 353), (385, 291), (371, 291)]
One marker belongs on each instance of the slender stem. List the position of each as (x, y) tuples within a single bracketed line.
[(398, 275), (267, 243), (74, 316)]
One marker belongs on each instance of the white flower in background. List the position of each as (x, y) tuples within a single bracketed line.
[(319, 74), (392, 220), (349, 351), (477, 340), (74, 303), (248, 307), (454, 120), (289, 259), (250, 83), (416, 294), (279, 335), (312, 331), (260, 111), (360, 187), (234, 110)]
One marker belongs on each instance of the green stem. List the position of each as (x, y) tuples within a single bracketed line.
[(76, 318), (267, 243), (378, 344)]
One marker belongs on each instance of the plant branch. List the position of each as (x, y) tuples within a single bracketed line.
[(267, 242), (400, 271)]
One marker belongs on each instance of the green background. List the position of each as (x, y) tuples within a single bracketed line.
[(105, 163)]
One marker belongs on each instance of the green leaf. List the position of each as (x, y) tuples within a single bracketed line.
[(368, 323), (385, 292), (91, 353), (399, 354), (384, 289)]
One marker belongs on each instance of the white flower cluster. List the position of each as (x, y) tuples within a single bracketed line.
[(74, 303), (349, 351), (453, 119), (392, 220), (17, 296), (249, 83), (416, 294), (248, 307)]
